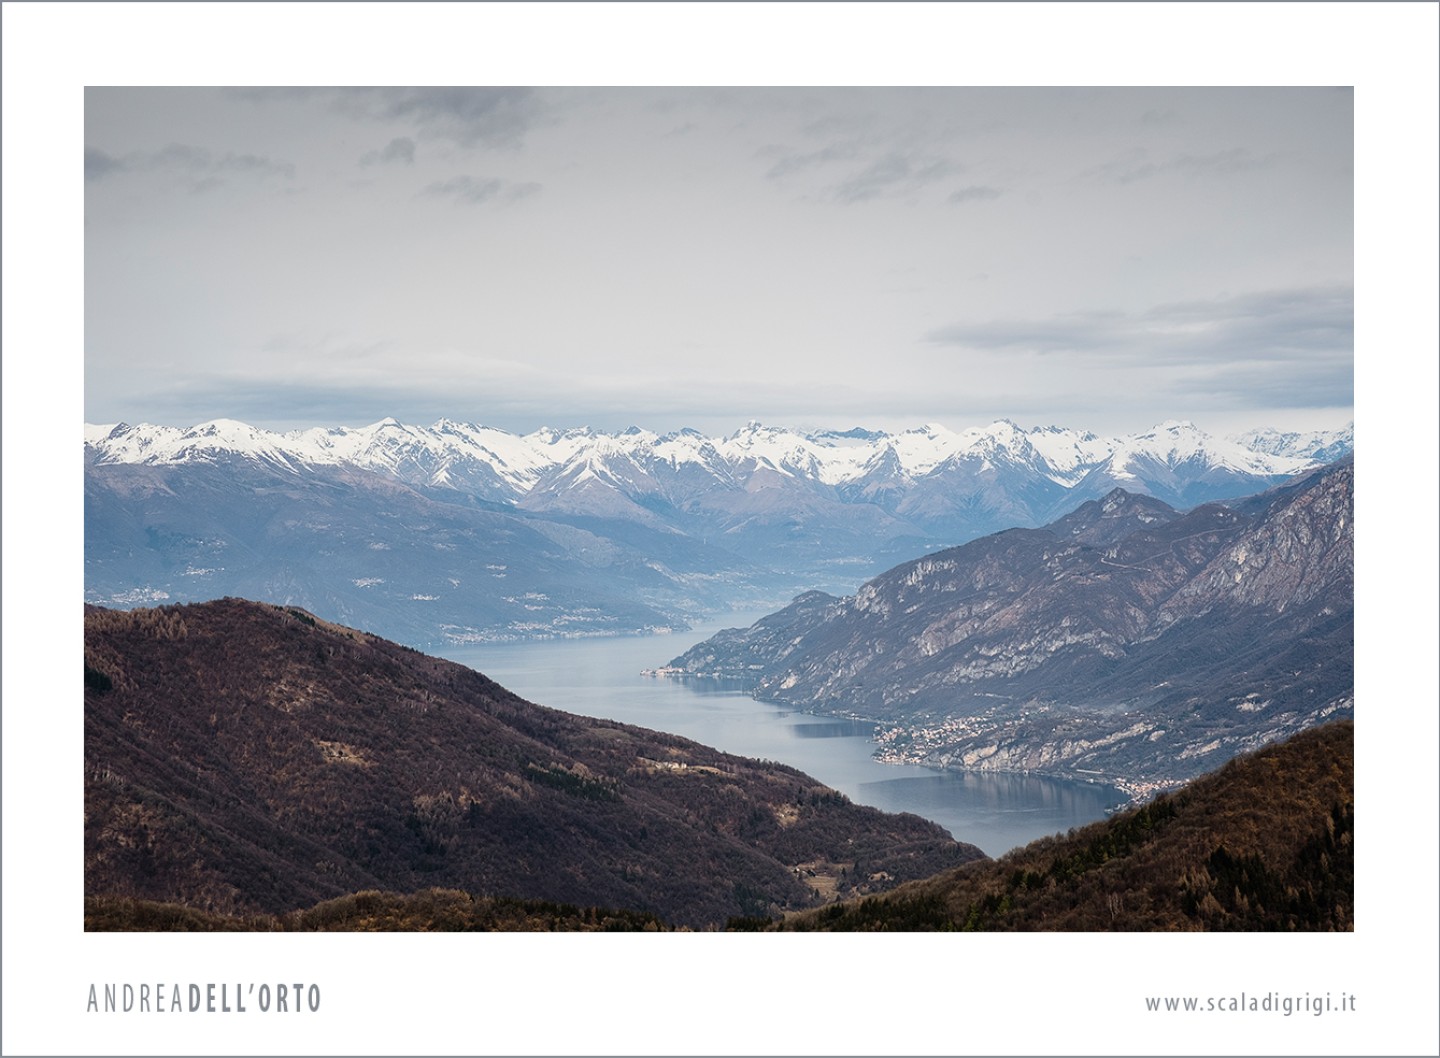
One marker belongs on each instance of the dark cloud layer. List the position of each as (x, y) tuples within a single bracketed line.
[(496, 117), (400, 149), (469, 117), (99, 165), (1286, 325), (200, 167)]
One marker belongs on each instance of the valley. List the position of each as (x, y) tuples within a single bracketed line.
[(601, 678), (252, 759), (249, 767)]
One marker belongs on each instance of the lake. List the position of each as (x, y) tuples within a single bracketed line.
[(601, 678)]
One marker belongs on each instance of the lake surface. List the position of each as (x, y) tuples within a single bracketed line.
[(601, 678)]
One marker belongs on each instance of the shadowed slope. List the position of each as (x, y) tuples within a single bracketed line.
[(241, 757)]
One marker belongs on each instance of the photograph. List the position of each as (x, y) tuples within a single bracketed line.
[(911, 500), (686, 470)]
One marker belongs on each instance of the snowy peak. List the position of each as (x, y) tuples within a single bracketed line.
[(937, 477), (1069, 453), (95, 434), (789, 453), (921, 450), (1184, 466), (1174, 444), (1321, 446)]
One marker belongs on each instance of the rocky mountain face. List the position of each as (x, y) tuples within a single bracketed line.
[(1127, 641), (243, 758), (456, 532)]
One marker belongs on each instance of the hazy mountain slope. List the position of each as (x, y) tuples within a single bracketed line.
[(1265, 843), (1125, 640), (422, 567), (243, 757)]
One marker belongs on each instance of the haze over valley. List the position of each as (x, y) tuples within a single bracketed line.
[(458, 533)]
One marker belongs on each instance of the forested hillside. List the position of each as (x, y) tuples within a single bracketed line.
[(245, 758), (1265, 843)]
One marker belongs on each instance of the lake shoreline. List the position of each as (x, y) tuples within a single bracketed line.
[(600, 677)]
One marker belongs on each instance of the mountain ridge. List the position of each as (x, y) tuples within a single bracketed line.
[(829, 456), (1127, 641), (615, 533)]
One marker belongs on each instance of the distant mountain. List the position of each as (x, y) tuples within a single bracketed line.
[(1323, 446), (1184, 466), (1265, 843), (410, 563), (612, 533), (492, 464), (244, 758), (1127, 641)]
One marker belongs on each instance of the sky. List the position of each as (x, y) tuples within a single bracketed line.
[(1104, 259)]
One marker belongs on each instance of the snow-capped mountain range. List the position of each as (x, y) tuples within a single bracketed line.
[(456, 531), (506, 466)]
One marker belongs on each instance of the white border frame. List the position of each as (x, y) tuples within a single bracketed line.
[(726, 994)]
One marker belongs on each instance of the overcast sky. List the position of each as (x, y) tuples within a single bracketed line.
[(1097, 258)]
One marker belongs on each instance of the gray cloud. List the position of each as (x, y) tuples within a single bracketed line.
[(471, 190), (99, 165), (895, 173), (1286, 326), (1062, 333), (400, 149), (790, 162), (974, 193), (1263, 385), (1275, 325), (471, 117), (201, 168), (1135, 167)]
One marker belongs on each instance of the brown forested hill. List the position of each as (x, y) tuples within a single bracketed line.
[(245, 758), (1265, 843)]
